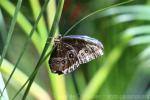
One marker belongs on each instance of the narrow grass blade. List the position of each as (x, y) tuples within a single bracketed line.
[(136, 9), (23, 23), (30, 77), (5, 95), (35, 6), (19, 78), (52, 31), (75, 85), (81, 81), (26, 43), (13, 22), (130, 17), (51, 10), (145, 54), (25, 83), (140, 40), (71, 92), (54, 79), (138, 30), (2, 29)]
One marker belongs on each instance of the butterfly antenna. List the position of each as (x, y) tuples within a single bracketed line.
[(93, 13)]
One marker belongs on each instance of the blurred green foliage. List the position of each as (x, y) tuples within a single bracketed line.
[(122, 73)]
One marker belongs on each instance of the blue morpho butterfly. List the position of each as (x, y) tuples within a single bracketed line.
[(71, 51)]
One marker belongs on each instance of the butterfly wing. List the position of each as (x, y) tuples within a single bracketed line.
[(63, 59), (72, 51), (87, 48)]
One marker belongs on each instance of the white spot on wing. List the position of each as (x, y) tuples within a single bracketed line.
[(84, 57)]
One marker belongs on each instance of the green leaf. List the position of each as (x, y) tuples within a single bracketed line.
[(13, 22), (52, 31), (19, 78)]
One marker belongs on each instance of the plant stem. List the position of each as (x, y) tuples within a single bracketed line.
[(52, 31)]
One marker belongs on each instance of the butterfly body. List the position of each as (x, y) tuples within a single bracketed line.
[(71, 51)]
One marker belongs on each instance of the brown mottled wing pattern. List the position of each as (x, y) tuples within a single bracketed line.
[(72, 51), (63, 59), (87, 48)]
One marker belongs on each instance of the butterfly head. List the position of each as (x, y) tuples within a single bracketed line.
[(58, 39)]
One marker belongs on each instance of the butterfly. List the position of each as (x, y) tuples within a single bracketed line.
[(71, 51)]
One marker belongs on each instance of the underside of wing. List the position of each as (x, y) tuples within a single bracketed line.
[(87, 48), (63, 59), (73, 51)]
